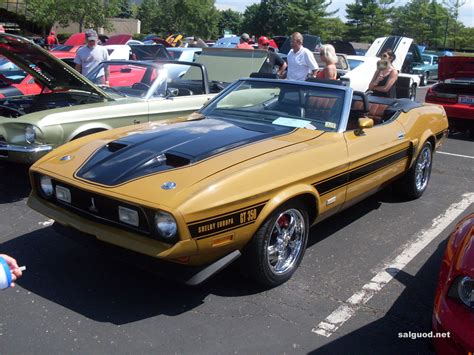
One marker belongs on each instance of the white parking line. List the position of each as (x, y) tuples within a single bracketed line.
[(344, 312), (47, 223), (456, 155)]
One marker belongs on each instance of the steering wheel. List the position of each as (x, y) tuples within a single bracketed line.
[(140, 86), (185, 92)]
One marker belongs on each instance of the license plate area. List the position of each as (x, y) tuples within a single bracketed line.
[(466, 99)]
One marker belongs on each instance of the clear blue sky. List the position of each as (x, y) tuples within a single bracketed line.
[(466, 13)]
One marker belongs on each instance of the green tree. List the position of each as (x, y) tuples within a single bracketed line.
[(437, 21), (229, 20), (453, 9), (274, 16), (413, 20), (465, 39), (148, 14), (333, 29), (44, 13), (198, 18), (191, 17), (307, 16), (368, 19), (125, 9), (88, 13), (250, 22)]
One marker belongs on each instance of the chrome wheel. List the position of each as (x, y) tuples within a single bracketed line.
[(287, 239), (423, 168)]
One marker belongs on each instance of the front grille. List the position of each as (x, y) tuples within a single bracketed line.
[(101, 208)]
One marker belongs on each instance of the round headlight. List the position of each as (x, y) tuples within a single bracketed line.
[(466, 291), (46, 185), (165, 225), (30, 134)]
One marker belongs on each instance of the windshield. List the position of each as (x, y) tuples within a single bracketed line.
[(131, 78), (61, 48), (354, 63), (10, 71), (426, 59), (279, 103), (175, 54)]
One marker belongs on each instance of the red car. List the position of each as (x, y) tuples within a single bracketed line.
[(16, 82), (455, 91), (454, 299)]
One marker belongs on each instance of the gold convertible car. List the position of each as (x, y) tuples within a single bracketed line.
[(247, 174)]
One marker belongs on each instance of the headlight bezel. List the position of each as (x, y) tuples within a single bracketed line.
[(165, 226), (47, 194), (30, 134), (460, 289)]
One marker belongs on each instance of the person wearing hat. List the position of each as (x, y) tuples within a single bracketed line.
[(89, 56), (272, 60), (244, 42), (52, 40)]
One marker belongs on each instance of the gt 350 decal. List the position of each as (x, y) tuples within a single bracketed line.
[(226, 222)]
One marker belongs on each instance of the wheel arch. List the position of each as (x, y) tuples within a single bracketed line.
[(305, 194), (427, 137), (86, 130)]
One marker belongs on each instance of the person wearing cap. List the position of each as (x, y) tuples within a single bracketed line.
[(301, 62), (272, 60), (244, 42), (89, 56), (52, 40)]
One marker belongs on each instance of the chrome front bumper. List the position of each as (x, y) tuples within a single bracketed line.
[(23, 154)]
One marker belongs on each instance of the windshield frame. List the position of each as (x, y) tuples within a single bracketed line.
[(345, 94)]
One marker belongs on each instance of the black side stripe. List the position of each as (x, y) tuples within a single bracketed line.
[(358, 173)]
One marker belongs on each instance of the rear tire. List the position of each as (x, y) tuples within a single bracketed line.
[(278, 247), (413, 184), (424, 80), (412, 92)]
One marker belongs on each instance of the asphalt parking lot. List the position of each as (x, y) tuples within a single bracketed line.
[(73, 299)]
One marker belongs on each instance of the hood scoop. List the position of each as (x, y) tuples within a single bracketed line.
[(169, 147)]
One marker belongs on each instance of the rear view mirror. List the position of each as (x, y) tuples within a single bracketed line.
[(364, 123)]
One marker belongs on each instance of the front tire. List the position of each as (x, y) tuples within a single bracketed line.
[(414, 183), (278, 247)]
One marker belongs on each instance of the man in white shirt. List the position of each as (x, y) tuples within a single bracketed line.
[(301, 60), (89, 56)]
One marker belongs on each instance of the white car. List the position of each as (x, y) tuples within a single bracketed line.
[(182, 54), (118, 51), (362, 68)]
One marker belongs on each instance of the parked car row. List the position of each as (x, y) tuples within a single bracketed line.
[(70, 106)]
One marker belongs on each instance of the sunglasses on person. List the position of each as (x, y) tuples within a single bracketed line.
[(265, 44)]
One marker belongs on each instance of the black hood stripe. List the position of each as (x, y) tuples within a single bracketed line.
[(171, 147)]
